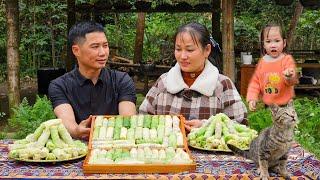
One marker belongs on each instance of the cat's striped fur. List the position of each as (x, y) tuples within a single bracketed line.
[(270, 149)]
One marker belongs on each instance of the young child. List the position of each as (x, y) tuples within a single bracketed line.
[(275, 76)]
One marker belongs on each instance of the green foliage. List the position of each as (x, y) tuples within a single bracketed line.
[(42, 27), (159, 31), (308, 30), (260, 119), (27, 118), (309, 124), (3, 135), (122, 33), (140, 98), (252, 15)]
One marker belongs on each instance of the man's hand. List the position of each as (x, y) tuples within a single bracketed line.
[(194, 123), (83, 129), (252, 105)]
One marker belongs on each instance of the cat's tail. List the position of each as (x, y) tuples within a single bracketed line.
[(238, 151)]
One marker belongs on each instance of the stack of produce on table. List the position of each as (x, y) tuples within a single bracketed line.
[(144, 155), (137, 139), (50, 141), (220, 130), (158, 131)]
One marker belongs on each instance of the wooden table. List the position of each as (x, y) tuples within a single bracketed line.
[(210, 165)]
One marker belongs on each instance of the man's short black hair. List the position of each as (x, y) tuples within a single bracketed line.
[(78, 31)]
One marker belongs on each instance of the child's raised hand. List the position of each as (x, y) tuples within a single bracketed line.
[(288, 73), (252, 105)]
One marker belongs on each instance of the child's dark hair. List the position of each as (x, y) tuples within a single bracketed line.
[(266, 29), (78, 31), (199, 33)]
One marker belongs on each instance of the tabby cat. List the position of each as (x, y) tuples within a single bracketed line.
[(270, 149)]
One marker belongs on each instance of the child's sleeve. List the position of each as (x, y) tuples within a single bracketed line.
[(290, 63), (254, 86)]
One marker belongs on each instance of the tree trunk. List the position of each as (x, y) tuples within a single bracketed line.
[(118, 29), (12, 15), (216, 17), (294, 21), (139, 38), (70, 60), (228, 39), (53, 49), (34, 34), (216, 32)]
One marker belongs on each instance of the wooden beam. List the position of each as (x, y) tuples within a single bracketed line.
[(139, 38), (228, 39)]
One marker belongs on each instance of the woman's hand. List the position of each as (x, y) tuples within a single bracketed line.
[(83, 129), (194, 123), (252, 105)]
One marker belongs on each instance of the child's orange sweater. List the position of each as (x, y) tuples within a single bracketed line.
[(269, 81)]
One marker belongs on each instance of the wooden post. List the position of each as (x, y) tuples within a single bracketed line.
[(228, 39), (70, 60), (139, 38)]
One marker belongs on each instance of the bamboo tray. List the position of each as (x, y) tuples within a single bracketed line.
[(138, 168), (49, 161)]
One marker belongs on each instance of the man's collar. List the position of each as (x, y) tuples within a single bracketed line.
[(82, 80)]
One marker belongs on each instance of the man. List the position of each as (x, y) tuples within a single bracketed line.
[(90, 88)]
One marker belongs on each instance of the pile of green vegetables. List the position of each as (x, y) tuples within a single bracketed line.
[(138, 139), (137, 130), (220, 130), (144, 155), (50, 141)]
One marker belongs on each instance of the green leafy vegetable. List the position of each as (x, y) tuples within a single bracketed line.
[(27, 118)]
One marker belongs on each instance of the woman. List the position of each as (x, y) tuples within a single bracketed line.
[(193, 87)]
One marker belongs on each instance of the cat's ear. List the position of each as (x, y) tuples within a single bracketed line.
[(274, 108), (290, 103)]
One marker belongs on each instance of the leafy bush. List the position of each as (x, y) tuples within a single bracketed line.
[(260, 119), (27, 118), (140, 98), (3, 135), (309, 124)]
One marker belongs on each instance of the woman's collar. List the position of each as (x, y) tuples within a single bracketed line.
[(204, 84)]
